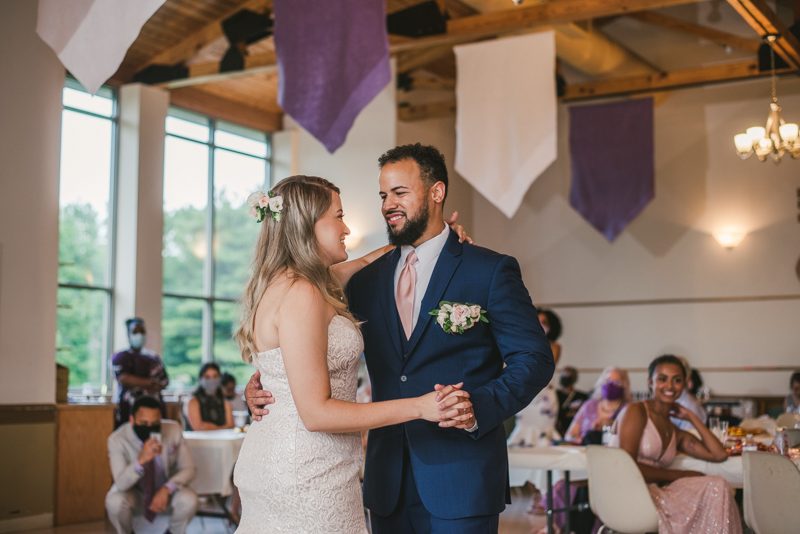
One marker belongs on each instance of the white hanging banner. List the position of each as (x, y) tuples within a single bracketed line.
[(506, 118), (91, 37)]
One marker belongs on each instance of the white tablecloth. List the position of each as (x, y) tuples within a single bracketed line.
[(531, 464), (215, 453)]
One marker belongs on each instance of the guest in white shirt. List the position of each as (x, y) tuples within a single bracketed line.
[(688, 401), (151, 474)]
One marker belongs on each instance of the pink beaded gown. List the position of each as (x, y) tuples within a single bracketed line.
[(689, 505)]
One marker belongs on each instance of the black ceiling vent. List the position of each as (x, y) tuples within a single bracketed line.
[(247, 26), (417, 21), (161, 73)]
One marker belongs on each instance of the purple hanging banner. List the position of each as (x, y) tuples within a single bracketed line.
[(333, 59), (613, 165)]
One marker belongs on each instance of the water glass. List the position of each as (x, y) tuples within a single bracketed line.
[(723, 431), (240, 418), (713, 424)]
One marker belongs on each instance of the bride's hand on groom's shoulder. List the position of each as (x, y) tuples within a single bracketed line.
[(257, 399), (458, 229)]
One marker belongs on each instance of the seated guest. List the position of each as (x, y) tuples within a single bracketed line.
[(229, 392), (695, 383), (150, 475), (208, 409), (139, 371), (792, 402), (552, 330), (611, 393), (569, 398), (688, 401), (686, 501)]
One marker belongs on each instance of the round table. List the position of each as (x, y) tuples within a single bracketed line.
[(215, 453)]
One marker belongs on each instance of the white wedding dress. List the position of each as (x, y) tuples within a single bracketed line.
[(295, 481)]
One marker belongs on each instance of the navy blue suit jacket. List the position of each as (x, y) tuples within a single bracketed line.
[(458, 474)]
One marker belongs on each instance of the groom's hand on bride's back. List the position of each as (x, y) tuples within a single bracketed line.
[(257, 398)]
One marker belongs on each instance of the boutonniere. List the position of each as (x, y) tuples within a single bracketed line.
[(455, 317)]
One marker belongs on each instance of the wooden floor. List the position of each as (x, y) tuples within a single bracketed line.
[(513, 520)]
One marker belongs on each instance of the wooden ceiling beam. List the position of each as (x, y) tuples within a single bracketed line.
[(665, 81), (203, 73), (477, 27), (558, 12), (414, 59), (194, 42), (432, 83), (200, 101), (426, 111), (764, 21), (696, 30)]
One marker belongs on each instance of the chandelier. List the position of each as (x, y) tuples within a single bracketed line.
[(777, 137)]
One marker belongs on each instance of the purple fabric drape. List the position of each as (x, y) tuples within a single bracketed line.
[(613, 167), (333, 59)]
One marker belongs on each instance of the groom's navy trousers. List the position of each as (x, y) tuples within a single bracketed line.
[(457, 475)]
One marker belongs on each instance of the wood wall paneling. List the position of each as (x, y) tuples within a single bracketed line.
[(83, 472)]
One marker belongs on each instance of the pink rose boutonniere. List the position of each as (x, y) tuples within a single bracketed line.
[(455, 317)]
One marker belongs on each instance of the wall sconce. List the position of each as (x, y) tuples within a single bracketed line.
[(729, 239), (352, 241)]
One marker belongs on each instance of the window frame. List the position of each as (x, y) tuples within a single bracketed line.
[(108, 288), (209, 298)]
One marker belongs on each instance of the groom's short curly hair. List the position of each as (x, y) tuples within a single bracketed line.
[(431, 162)]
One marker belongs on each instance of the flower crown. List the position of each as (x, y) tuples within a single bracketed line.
[(262, 203)]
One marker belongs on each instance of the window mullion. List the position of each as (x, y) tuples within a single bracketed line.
[(208, 282)]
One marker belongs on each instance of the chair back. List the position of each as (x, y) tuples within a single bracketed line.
[(788, 419), (618, 494), (767, 424), (771, 487)]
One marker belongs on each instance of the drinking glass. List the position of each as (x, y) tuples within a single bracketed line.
[(713, 424), (723, 431)]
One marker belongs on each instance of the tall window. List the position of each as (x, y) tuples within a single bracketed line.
[(86, 230), (210, 167)]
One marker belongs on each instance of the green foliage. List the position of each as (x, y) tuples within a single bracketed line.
[(80, 330)]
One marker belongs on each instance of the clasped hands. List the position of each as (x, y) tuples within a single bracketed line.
[(449, 405), (150, 449)]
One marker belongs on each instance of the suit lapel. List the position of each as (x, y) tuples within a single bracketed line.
[(446, 266), (386, 284)]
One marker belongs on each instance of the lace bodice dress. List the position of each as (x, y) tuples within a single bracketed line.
[(295, 481), (689, 505)]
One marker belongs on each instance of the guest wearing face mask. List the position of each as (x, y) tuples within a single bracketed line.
[(151, 473), (569, 399), (139, 371), (611, 393), (208, 409)]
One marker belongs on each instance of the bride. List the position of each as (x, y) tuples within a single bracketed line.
[(298, 468)]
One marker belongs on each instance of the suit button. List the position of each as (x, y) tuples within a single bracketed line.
[(403, 378)]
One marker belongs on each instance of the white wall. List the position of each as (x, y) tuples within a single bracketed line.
[(30, 137), (353, 167), (668, 252)]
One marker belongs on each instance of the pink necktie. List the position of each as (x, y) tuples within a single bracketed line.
[(405, 294)]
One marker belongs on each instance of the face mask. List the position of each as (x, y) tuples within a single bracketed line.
[(566, 380), (612, 390), (143, 432), (210, 385), (137, 340)]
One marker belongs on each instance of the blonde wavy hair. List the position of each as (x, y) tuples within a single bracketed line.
[(290, 246), (627, 396)]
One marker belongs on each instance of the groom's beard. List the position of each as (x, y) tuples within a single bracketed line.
[(412, 230)]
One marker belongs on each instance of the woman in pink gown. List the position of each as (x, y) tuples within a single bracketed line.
[(687, 501)]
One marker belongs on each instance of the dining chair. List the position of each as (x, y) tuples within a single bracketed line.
[(767, 424), (618, 494), (771, 487), (788, 419)]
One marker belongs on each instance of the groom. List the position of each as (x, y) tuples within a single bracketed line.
[(422, 477)]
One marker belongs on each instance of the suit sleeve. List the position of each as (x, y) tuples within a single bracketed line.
[(514, 323), (185, 469), (123, 471)]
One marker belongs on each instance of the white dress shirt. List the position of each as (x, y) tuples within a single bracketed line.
[(427, 255)]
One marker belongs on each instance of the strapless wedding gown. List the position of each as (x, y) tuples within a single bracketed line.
[(295, 481)]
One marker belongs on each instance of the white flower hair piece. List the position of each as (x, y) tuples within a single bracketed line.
[(262, 203)]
